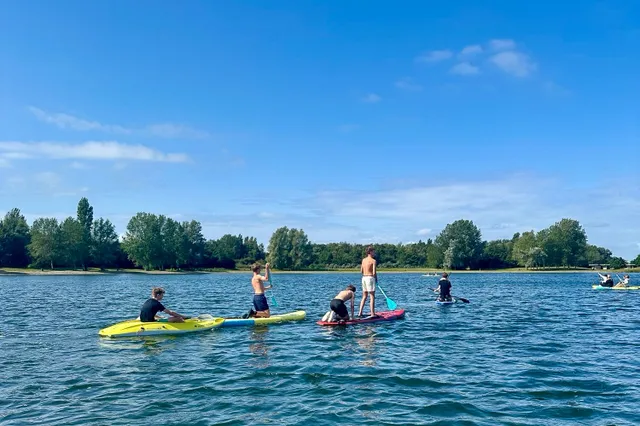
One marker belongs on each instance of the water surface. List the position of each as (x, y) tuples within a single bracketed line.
[(530, 349)]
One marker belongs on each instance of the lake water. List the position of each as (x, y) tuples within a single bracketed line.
[(530, 349)]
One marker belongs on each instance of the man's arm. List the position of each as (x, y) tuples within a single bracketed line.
[(173, 314), (375, 270), (352, 306)]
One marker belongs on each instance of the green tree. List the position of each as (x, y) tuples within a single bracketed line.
[(526, 250), (85, 218), (636, 261), (253, 251), (46, 242), (71, 235), (497, 254), (435, 256), (461, 244), (595, 254), (301, 253), (105, 243), (14, 239), (564, 242), (196, 243), (143, 240), (617, 263), (279, 249), (229, 247)]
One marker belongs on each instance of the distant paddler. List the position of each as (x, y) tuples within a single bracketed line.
[(606, 280), (624, 282), (444, 288)]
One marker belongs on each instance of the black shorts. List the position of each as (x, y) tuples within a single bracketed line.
[(339, 308), (260, 302)]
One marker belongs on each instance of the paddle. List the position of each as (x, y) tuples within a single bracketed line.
[(273, 298), (390, 303)]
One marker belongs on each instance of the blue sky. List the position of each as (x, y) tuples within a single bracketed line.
[(356, 121)]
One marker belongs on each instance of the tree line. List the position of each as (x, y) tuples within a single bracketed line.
[(158, 242), (150, 242)]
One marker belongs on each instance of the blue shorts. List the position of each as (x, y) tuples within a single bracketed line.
[(260, 302)]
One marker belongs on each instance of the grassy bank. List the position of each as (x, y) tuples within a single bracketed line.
[(95, 271)]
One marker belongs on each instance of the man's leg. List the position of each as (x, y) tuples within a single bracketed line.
[(263, 314), (372, 303), (364, 299)]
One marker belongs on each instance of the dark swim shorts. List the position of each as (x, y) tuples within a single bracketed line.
[(339, 308), (260, 302)]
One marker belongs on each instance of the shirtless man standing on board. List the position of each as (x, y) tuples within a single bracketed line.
[(369, 281)]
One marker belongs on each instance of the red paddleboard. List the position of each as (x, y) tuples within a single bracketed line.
[(380, 316)]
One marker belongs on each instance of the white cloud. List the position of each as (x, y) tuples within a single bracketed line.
[(372, 98), (163, 130), (4, 163), (424, 231), (408, 84), (470, 50), (66, 121), (502, 44), (90, 151), (465, 68), (175, 131), (434, 56), (514, 63)]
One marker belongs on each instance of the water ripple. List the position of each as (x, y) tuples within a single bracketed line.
[(529, 350)]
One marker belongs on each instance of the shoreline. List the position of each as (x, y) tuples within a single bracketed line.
[(91, 271)]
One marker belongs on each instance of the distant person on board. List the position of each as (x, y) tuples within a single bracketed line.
[(624, 282), (152, 306), (606, 281), (444, 287), (369, 281), (337, 304), (259, 299)]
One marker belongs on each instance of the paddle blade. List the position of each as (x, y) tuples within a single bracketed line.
[(391, 304)]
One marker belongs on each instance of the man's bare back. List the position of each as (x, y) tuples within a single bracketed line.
[(344, 295), (368, 266)]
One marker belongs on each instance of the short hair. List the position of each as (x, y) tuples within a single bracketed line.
[(256, 267), (157, 291), (445, 275), (370, 249), (351, 287)]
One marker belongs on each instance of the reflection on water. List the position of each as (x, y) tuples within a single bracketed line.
[(151, 345), (259, 346), (367, 344)]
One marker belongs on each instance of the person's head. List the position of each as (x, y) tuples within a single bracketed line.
[(351, 287), (256, 268), (157, 293), (445, 275), (370, 251), (626, 276), (608, 275)]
